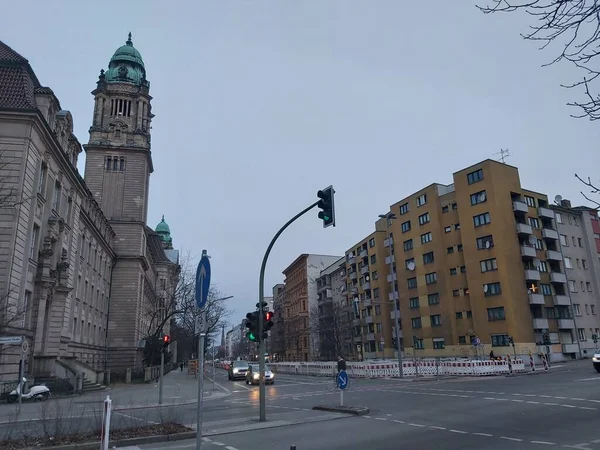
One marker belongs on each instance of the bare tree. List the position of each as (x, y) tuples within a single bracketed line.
[(334, 330), (594, 190), (573, 25)]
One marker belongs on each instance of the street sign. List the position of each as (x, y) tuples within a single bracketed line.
[(476, 342), (382, 340), (198, 327), (202, 280), (11, 340), (25, 347), (342, 379)]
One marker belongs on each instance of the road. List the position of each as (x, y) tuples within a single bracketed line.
[(556, 409)]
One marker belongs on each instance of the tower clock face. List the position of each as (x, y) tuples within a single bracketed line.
[(123, 71)]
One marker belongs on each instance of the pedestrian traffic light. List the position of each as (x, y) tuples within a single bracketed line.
[(267, 323), (252, 325), (326, 204), (166, 340)]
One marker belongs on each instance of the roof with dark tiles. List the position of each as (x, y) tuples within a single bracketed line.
[(7, 54), (18, 82)]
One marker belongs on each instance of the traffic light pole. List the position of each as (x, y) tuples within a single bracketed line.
[(261, 316), (200, 372), (162, 374)]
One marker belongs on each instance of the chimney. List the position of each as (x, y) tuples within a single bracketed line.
[(565, 203)]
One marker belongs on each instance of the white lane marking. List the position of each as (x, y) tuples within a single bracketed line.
[(399, 421), (511, 439), (437, 428), (458, 431), (484, 434), (229, 447), (416, 425), (543, 443)]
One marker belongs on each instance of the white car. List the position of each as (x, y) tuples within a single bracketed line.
[(253, 375), (596, 360)]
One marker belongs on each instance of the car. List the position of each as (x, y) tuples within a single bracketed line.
[(596, 360), (237, 370), (253, 375)]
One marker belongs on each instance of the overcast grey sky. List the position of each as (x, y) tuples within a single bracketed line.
[(260, 104)]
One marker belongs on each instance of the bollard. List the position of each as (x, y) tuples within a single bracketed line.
[(293, 447)]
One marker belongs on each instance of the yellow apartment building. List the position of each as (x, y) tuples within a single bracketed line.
[(476, 262)]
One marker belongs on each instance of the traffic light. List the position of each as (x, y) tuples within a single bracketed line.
[(166, 341), (327, 213), (252, 325), (267, 323)]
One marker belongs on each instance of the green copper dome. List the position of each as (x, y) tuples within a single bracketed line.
[(162, 227), (126, 66)]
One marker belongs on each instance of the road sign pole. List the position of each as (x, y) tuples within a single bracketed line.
[(21, 374), (162, 373), (261, 299), (201, 337)]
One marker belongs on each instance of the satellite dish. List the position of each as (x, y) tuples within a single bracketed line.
[(536, 262), (411, 266), (532, 240), (485, 288), (487, 244), (367, 278), (482, 197), (558, 199)]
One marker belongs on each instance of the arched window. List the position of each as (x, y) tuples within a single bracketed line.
[(108, 158), (122, 164)]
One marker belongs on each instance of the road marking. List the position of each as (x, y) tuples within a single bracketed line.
[(437, 428), (511, 439), (380, 418), (415, 425), (399, 421), (458, 431), (533, 403), (484, 434), (589, 379), (543, 443)]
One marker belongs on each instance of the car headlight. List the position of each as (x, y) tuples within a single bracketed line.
[(595, 358), (235, 371), (256, 376)]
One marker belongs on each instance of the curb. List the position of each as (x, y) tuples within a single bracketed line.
[(126, 442), (352, 410)]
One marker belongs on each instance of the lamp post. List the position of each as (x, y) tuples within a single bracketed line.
[(388, 218)]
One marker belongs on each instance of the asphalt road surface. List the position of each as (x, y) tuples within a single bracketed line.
[(557, 409)]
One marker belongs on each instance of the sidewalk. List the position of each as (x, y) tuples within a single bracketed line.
[(178, 388)]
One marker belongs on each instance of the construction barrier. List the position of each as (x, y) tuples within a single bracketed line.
[(411, 368)]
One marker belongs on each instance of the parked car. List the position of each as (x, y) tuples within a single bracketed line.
[(596, 360), (237, 370), (253, 375)]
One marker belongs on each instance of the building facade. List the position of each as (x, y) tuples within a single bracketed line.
[(301, 306), (79, 250), (277, 332), (579, 234)]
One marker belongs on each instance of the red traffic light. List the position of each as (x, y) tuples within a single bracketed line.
[(166, 339), (268, 316)]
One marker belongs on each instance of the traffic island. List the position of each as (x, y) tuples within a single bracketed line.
[(352, 410)]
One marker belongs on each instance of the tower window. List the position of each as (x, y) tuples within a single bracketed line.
[(117, 133), (120, 107), (108, 162), (122, 164), (115, 163)]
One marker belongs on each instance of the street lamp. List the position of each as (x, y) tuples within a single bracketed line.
[(388, 219)]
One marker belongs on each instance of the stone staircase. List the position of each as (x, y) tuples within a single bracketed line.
[(88, 386)]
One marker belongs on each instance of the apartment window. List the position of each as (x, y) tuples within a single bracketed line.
[(122, 164), (455, 293), (408, 245), (42, 179), (474, 177), (436, 320), (418, 343), (539, 244), (572, 286), (450, 250), (444, 209), (405, 226), (478, 197), (568, 263), (416, 322), (593, 309), (447, 229), (456, 226), (584, 264), (481, 219), (25, 312), (454, 206), (423, 219), (485, 242), (409, 262), (576, 221), (413, 302), (534, 222), (453, 271), (428, 258), (373, 259), (33, 244), (495, 314), (500, 340), (563, 240), (433, 299), (459, 247), (558, 217), (530, 201), (491, 289), (579, 242), (462, 340), (463, 269), (459, 315), (438, 344), (488, 265), (56, 197), (411, 283), (576, 309), (404, 209), (588, 286), (431, 278), (581, 334), (546, 289), (421, 200), (469, 314), (425, 238)]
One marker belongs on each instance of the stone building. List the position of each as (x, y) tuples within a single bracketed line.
[(79, 268)]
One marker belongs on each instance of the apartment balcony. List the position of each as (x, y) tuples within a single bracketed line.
[(557, 277), (386, 242), (521, 207), (536, 299), (370, 337), (523, 228), (369, 319), (528, 252), (540, 324), (570, 348), (388, 259), (324, 286), (352, 260), (363, 254), (391, 276), (545, 212), (393, 295), (553, 255), (355, 322), (532, 275), (357, 339), (561, 300), (566, 324), (367, 301), (393, 314), (366, 286), (547, 233), (353, 275), (364, 269)]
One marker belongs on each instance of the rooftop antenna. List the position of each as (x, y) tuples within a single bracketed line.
[(504, 153)]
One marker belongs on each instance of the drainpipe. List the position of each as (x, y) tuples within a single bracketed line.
[(107, 318)]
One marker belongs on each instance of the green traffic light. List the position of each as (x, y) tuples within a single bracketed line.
[(251, 336)]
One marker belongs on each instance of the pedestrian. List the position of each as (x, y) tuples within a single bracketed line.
[(341, 365), (492, 357), (181, 366)]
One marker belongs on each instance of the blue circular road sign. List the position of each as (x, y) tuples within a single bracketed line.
[(342, 378)]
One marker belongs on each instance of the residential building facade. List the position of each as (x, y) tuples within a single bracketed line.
[(277, 343), (301, 306), (66, 275), (579, 235)]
